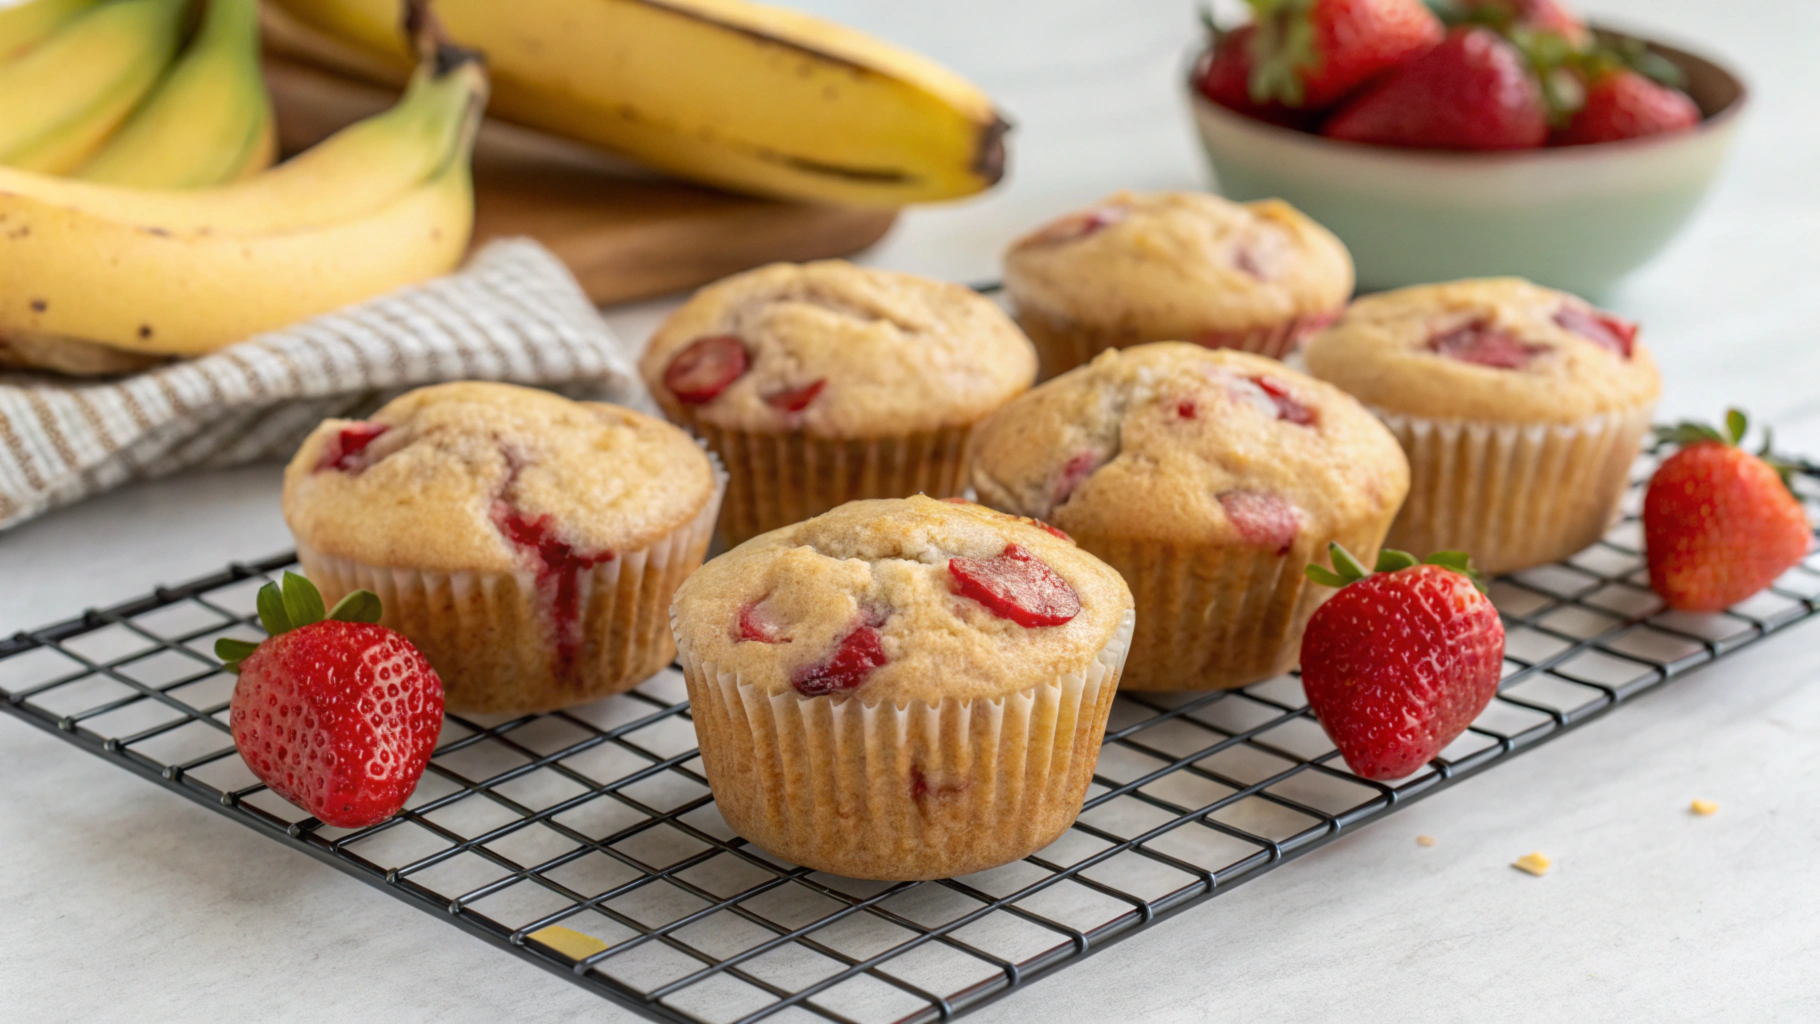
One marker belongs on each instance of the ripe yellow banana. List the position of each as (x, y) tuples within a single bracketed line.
[(360, 168), (186, 272), (22, 25), (63, 98), (208, 122), (748, 97)]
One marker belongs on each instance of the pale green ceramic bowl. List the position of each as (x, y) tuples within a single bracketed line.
[(1577, 218)]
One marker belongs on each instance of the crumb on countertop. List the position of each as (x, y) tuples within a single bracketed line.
[(1534, 863), (568, 942), (1425, 840), (1703, 807)]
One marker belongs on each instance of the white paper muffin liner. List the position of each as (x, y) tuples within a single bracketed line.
[(776, 479), (1513, 495), (1213, 617), (490, 637), (896, 793)]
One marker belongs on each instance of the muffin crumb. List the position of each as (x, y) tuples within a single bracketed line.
[(1703, 808), (1533, 863), (1425, 840)]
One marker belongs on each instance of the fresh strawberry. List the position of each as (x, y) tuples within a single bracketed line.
[(1308, 54), (1622, 104), (1227, 80), (1474, 91), (338, 715), (701, 371), (1719, 524), (1400, 661), (1016, 585)]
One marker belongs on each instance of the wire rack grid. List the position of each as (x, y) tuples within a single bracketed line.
[(586, 841)]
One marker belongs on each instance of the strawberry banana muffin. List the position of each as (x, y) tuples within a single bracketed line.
[(1521, 409), (902, 688), (1209, 479), (527, 544), (825, 382), (1175, 266)]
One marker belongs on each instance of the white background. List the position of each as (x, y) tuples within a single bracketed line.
[(124, 902)]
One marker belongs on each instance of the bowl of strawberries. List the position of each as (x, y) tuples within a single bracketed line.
[(1465, 138)]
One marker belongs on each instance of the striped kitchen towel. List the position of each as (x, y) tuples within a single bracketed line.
[(514, 313)]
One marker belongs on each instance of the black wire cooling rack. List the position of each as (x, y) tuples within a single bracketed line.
[(586, 841)]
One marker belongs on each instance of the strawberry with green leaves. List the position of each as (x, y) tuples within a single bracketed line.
[(1474, 91), (1623, 104), (333, 712), (1226, 80), (1720, 524), (1401, 660), (1308, 54)]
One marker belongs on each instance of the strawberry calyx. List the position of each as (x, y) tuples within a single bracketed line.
[(1620, 53), (1283, 48), (1348, 570), (1688, 433), (1554, 62), (295, 604)]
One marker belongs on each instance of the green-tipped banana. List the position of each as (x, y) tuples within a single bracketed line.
[(24, 25), (208, 122), (63, 98)]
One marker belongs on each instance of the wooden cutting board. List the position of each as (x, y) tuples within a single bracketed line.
[(625, 234)]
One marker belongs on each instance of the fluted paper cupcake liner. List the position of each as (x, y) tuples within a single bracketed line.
[(1513, 495), (491, 637), (778, 479), (1062, 345), (896, 793), (1215, 617)]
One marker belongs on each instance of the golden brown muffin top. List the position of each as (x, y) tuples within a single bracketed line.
[(835, 350), (899, 600), (1497, 350), (492, 478), (1174, 443), (1164, 265)]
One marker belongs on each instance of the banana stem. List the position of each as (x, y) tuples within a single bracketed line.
[(424, 34)]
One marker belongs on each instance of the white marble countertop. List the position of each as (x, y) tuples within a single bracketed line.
[(126, 902)]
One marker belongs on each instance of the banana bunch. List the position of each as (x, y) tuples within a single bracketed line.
[(99, 90), (736, 94), (383, 203)]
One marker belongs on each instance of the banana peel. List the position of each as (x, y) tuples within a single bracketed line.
[(739, 95)]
